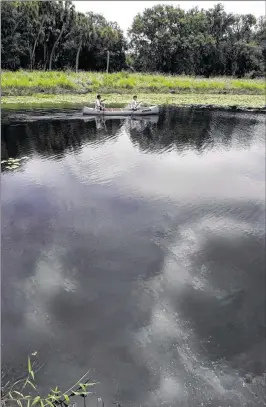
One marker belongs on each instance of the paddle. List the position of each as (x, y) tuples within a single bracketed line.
[(135, 108), (103, 107)]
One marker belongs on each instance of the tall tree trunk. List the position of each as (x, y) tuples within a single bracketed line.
[(77, 57), (54, 46), (107, 64), (44, 57), (35, 44), (16, 25)]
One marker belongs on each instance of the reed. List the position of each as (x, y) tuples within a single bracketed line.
[(29, 82)]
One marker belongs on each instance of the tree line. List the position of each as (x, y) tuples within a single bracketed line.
[(52, 35)]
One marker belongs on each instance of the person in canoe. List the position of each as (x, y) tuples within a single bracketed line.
[(135, 104), (99, 105)]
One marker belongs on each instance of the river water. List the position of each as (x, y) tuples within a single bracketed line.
[(136, 248)]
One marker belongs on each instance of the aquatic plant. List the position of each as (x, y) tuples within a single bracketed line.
[(12, 163), (16, 394)]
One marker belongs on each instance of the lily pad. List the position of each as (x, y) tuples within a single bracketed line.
[(13, 160)]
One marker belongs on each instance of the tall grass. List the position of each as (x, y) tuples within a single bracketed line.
[(42, 99), (25, 82)]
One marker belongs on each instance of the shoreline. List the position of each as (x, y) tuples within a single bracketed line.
[(54, 88), (211, 101)]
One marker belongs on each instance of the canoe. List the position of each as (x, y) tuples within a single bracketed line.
[(142, 111), (151, 118)]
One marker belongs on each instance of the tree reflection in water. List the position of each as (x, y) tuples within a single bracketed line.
[(179, 129)]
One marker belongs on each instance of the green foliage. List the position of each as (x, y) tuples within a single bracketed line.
[(52, 35), (54, 398), (210, 43), (24, 82), (40, 99)]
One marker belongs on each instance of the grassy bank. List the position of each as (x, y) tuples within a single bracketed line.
[(47, 88), (255, 101), (23, 83)]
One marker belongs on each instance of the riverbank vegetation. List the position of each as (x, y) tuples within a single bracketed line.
[(52, 53), (249, 101), (52, 35), (29, 82)]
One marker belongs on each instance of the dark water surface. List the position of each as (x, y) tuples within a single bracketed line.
[(136, 248)]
